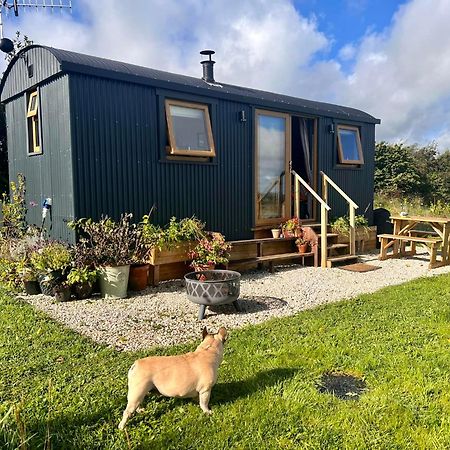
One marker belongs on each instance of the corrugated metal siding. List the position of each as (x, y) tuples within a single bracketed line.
[(49, 174), (357, 182), (120, 166), (17, 81)]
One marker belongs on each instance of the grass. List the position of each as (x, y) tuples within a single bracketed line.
[(61, 391), (415, 206)]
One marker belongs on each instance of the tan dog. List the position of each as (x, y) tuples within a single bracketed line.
[(190, 375)]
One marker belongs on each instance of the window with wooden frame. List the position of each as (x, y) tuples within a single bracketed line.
[(34, 136), (349, 145), (189, 129)]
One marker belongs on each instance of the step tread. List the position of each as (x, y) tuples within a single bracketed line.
[(338, 259), (328, 235), (333, 246)]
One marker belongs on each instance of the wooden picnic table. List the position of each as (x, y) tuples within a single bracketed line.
[(409, 229)]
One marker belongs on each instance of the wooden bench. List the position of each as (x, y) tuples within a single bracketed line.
[(389, 240), (271, 259)]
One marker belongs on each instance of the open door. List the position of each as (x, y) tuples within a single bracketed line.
[(304, 162)]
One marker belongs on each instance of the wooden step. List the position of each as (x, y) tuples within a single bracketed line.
[(341, 259), (329, 235), (336, 246)]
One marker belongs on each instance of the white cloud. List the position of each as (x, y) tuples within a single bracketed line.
[(401, 75)]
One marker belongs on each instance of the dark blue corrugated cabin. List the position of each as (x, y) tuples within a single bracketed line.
[(104, 137)]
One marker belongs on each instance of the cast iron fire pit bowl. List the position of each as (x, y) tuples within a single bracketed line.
[(213, 287)]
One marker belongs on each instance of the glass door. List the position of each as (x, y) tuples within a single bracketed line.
[(273, 148)]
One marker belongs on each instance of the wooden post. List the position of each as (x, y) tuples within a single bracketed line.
[(297, 198), (323, 234), (352, 231)]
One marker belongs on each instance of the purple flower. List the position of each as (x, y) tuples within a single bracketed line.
[(33, 204)]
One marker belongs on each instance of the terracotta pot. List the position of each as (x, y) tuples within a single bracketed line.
[(202, 268), (303, 248), (288, 234), (138, 278), (32, 287), (276, 233)]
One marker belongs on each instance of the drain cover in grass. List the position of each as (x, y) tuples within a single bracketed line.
[(342, 385)]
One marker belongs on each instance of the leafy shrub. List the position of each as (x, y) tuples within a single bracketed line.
[(187, 229), (51, 256), (212, 249), (81, 275), (110, 243), (341, 225), (14, 210)]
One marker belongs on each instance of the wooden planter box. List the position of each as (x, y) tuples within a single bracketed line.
[(365, 239), (174, 262)]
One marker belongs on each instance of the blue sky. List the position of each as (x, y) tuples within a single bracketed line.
[(388, 58)]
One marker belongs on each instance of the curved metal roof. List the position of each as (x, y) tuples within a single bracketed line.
[(95, 66)]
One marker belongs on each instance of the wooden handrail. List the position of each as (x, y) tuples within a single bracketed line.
[(329, 180), (311, 190), (352, 206), (324, 208)]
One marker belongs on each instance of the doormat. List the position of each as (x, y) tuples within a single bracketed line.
[(360, 267), (342, 385)]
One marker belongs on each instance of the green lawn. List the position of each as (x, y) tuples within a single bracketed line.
[(63, 391)]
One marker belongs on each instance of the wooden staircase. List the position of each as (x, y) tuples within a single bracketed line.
[(331, 251)]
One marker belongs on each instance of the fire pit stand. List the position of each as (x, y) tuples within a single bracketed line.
[(213, 287)]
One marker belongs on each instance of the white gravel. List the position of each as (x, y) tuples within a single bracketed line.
[(164, 316)]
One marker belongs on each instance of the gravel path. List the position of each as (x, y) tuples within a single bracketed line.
[(163, 316)]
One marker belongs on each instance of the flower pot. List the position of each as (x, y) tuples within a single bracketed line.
[(61, 294), (303, 248), (114, 281), (32, 287), (288, 234), (48, 281), (202, 268), (82, 290), (276, 233), (138, 278)]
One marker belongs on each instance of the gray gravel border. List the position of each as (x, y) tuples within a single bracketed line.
[(163, 316)]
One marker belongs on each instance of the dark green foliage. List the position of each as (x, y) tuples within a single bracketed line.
[(412, 171)]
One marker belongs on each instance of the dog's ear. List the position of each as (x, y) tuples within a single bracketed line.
[(204, 333), (222, 334)]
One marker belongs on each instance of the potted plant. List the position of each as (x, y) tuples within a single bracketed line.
[(211, 251), (82, 280), (61, 292), (51, 260), (138, 279), (111, 245), (302, 245), (341, 226), (174, 242), (276, 232), (30, 281), (291, 227)]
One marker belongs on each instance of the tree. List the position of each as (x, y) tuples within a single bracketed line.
[(395, 171), (19, 43), (412, 171)]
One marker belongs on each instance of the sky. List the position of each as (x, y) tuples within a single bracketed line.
[(386, 57)]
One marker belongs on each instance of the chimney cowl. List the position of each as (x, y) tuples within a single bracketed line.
[(208, 66)]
